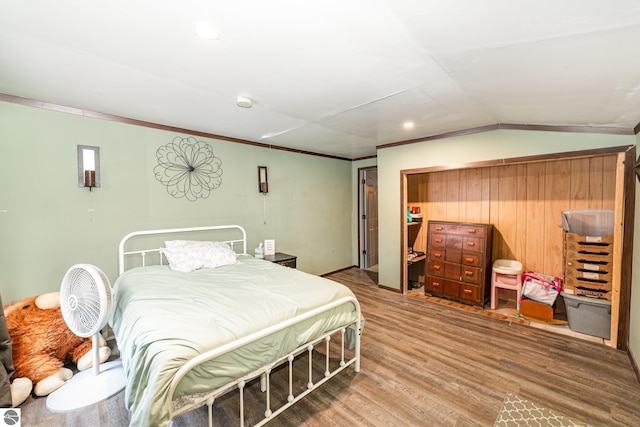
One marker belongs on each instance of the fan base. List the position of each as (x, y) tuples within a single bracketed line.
[(86, 388)]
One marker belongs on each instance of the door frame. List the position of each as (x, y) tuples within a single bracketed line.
[(362, 228)]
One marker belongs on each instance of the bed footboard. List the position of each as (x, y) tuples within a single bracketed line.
[(184, 404)]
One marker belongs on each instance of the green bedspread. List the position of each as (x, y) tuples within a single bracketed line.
[(163, 318)]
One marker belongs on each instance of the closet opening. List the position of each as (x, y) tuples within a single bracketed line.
[(522, 198)]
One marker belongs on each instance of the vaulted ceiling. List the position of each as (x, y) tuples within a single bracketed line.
[(337, 77)]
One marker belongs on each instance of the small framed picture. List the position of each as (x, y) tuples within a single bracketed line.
[(270, 247)]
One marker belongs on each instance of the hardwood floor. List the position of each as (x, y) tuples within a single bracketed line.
[(428, 364)]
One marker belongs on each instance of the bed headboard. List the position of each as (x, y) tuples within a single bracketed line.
[(234, 235)]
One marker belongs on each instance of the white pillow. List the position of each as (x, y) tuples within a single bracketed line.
[(220, 255), (181, 260), (195, 254)]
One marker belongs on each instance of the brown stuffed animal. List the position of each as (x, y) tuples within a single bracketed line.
[(42, 343)]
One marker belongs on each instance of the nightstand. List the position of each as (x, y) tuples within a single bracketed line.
[(282, 259)]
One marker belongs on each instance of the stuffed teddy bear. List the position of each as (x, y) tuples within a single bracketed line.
[(42, 342), (13, 391)]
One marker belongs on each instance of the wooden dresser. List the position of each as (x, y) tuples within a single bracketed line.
[(459, 261)]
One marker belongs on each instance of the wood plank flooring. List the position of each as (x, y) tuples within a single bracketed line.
[(428, 364)]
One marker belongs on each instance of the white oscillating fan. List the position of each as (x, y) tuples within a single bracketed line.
[(86, 302)]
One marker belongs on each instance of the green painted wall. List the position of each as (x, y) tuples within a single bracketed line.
[(48, 223)]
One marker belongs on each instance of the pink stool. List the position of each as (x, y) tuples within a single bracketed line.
[(506, 274)]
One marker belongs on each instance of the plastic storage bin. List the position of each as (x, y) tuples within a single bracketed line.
[(588, 222), (588, 315)]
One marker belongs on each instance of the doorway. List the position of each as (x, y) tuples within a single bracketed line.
[(368, 214)]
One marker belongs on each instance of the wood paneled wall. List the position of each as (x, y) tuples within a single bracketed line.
[(523, 202)]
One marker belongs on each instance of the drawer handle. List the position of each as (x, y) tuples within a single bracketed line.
[(469, 259), (438, 240), (435, 284), (467, 291), (471, 231), (472, 244), (437, 255), (436, 267), (468, 273), (439, 228)]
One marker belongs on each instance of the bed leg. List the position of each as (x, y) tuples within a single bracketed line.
[(310, 383), (357, 351), (263, 383), (290, 397), (241, 385), (342, 343), (267, 412), (327, 372), (210, 410)]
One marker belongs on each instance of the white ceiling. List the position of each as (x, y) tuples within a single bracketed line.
[(337, 77)]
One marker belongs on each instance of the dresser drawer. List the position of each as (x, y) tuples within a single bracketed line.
[(452, 271), (457, 228), (435, 268), (471, 275), (454, 242), (469, 293), (434, 285), (451, 289), (453, 255), (473, 244), (462, 291), (436, 254), (471, 230), (438, 228), (438, 241), (472, 259)]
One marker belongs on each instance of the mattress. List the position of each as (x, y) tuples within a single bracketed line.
[(163, 318)]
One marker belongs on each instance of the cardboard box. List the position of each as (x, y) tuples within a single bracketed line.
[(537, 310)]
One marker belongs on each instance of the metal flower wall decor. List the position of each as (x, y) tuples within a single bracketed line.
[(188, 168)]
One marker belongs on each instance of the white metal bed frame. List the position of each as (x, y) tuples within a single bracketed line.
[(143, 253), (185, 404)]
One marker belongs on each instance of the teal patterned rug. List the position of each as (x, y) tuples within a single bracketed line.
[(518, 412)]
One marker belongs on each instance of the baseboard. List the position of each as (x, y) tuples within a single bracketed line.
[(634, 365), (387, 288), (338, 271)]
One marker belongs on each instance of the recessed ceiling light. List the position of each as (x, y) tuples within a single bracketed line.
[(407, 125), (206, 31)]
